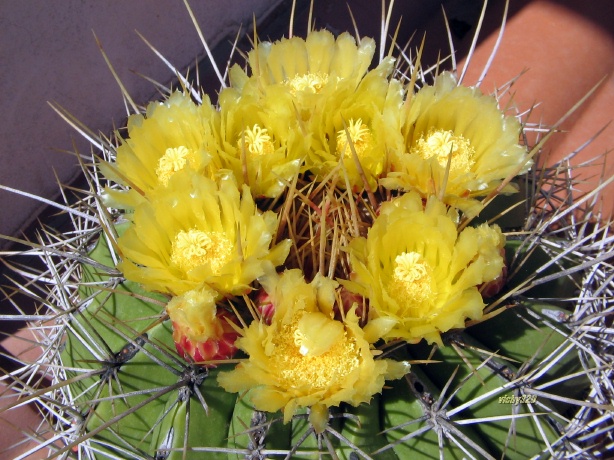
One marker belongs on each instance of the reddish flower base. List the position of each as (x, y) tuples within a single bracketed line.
[(220, 348), (493, 287), (265, 306)]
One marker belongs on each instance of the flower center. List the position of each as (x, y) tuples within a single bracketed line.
[(326, 371), (412, 283), (441, 144), (361, 138), (256, 141), (195, 248), (173, 160), (309, 82)]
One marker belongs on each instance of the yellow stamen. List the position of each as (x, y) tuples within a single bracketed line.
[(195, 247), (299, 341), (412, 283), (360, 135), (257, 141), (309, 82), (173, 160), (441, 144), (299, 369)]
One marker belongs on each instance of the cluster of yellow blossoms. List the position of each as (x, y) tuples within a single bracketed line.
[(207, 191)]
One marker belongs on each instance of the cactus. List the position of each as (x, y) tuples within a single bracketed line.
[(531, 378)]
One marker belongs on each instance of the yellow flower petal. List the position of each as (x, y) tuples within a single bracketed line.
[(446, 121), (316, 334), (297, 76), (425, 282), (194, 313), (318, 417), (171, 136), (320, 58), (260, 141), (197, 232), (358, 128), (306, 358)]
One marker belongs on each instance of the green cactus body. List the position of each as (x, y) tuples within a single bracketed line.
[(476, 382), (413, 420), (188, 430), (253, 432), (115, 338), (140, 396), (363, 428)]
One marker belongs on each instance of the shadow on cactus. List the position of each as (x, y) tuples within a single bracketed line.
[(337, 259)]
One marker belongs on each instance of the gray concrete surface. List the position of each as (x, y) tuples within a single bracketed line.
[(48, 53)]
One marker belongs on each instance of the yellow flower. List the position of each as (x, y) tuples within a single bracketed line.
[(171, 136), (261, 144), (201, 332), (323, 84), (194, 313), (420, 274), (297, 75), (308, 66), (360, 126), (306, 358), (446, 121), (199, 232)]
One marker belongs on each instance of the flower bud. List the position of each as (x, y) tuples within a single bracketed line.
[(202, 332)]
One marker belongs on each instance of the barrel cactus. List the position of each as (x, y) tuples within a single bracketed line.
[(331, 261)]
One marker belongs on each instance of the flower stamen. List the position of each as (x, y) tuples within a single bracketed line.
[(412, 282), (441, 144), (173, 160), (300, 369), (257, 141), (195, 247), (309, 82), (361, 138)]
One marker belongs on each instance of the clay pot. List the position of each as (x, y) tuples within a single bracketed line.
[(563, 49)]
